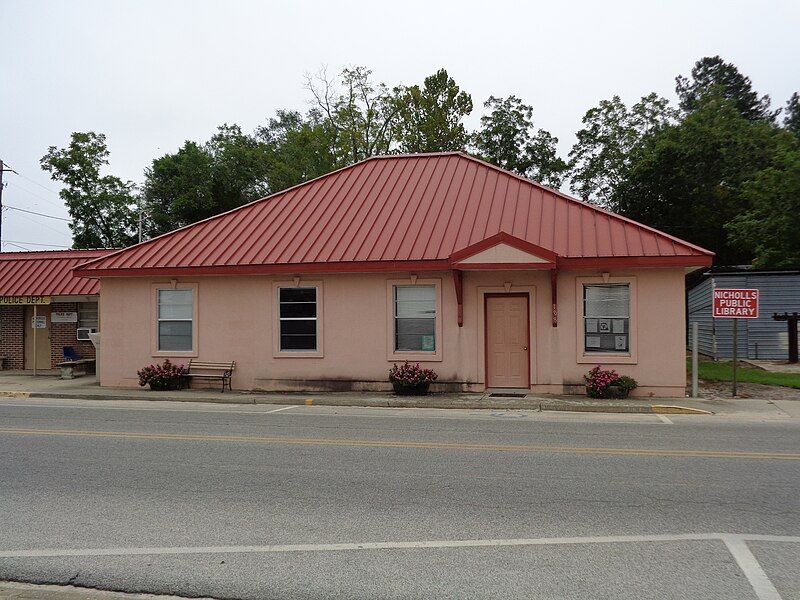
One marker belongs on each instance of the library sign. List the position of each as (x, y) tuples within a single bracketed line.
[(736, 303), (23, 300)]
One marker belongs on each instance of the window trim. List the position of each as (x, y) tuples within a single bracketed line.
[(154, 349), (276, 319), (614, 358), (393, 355)]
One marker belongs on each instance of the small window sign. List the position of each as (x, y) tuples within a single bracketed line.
[(428, 343), (39, 322), (64, 317)]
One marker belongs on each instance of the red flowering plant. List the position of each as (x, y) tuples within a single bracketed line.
[(411, 378), (167, 376), (608, 384)]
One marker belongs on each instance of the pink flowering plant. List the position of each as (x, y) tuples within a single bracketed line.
[(167, 376), (608, 384), (411, 378)]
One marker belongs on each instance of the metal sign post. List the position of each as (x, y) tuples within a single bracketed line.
[(735, 352), (695, 339), (35, 332), (735, 304)]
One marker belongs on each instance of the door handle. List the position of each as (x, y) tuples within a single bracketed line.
[(524, 347)]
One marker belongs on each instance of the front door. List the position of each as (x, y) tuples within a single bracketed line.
[(42, 337), (507, 362)]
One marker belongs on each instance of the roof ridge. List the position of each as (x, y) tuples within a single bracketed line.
[(584, 203), (227, 212), (54, 254), (272, 222)]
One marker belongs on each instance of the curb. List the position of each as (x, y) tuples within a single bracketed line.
[(667, 409), (15, 394), (423, 402)]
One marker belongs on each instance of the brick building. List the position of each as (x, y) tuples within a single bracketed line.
[(43, 306)]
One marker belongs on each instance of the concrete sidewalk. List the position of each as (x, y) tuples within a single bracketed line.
[(86, 388)]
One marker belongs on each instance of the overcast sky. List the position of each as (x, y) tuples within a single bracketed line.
[(151, 74)]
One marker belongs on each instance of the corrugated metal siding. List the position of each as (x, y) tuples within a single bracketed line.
[(400, 208), (778, 293), (47, 273), (699, 311), (761, 338)]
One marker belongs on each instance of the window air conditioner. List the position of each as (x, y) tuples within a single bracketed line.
[(83, 333)]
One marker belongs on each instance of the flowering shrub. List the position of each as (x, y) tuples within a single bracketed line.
[(162, 377), (608, 384), (625, 385), (408, 375)]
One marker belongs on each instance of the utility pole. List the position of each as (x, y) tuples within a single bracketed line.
[(142, 214), (2, 170)]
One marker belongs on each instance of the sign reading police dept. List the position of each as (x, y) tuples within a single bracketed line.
[(23, 300)]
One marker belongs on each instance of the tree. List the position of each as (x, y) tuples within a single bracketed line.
[(599, 160), (203, 180), (429, 119), (298, 149), (508, 139), (712, 75), (360, 119), (771, 228), (792, 119), (687, 178), (101, 206)]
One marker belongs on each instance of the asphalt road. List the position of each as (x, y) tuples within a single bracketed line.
[(322, 502)]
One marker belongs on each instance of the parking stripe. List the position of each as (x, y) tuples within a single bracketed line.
[(762, 586)]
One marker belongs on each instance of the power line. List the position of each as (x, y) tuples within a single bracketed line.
[(34, 182), (2, 185), (15, 242), (31, 212), (16, 246), (35, 195), (45, 225)]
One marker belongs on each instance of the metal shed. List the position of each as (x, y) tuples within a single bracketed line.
[(762, 338)]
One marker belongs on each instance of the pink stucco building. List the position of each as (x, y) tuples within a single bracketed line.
[(491, 279)]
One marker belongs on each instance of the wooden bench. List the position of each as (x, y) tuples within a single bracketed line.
[(211, 370), (71, 369)]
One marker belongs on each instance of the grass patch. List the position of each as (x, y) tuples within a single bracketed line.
[(723, 371)]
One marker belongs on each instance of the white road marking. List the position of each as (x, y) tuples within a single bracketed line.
[(269, 412), (346, 411), (736, 545), (665, 419), (231, 410), (280, 548), (762, 586)]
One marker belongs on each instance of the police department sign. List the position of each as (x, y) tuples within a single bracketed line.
[(23, 300)]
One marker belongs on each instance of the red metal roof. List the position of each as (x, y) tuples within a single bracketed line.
[(394, 213), (46, 273)]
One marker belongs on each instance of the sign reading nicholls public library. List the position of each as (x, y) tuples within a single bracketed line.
[(24, 300), (736, 303)]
